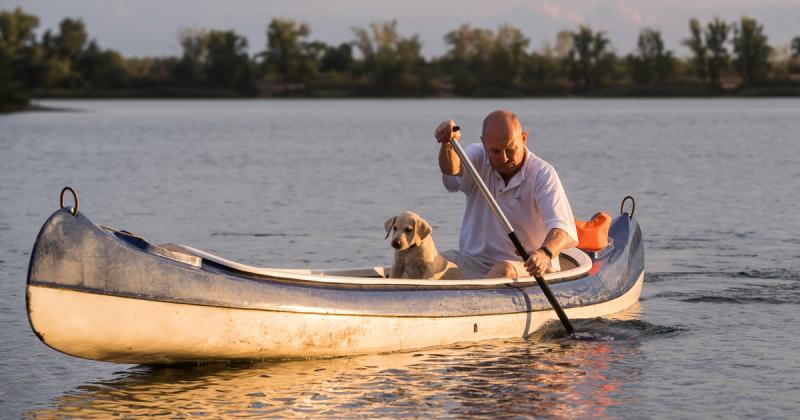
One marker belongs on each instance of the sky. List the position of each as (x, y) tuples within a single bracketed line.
[(150, 27)]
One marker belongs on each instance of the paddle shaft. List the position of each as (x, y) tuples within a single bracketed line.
[(467, 164)]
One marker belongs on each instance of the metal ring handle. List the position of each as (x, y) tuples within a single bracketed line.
[(74, 210), (633, 205)]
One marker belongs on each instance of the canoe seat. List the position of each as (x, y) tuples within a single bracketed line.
[(171, 251)]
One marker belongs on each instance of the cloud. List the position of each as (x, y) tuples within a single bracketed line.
[(629, 12), (557, 12)]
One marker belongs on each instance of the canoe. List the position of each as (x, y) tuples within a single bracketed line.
[(104, 294)]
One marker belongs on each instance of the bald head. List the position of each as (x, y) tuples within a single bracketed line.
[(504, 142), (501, 122)]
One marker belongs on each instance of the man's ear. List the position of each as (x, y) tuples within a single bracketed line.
[(421, 230), (388, 226), (524, 137)]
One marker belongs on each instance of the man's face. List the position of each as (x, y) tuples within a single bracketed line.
[(506, 150)]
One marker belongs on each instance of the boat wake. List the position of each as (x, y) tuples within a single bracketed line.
[(777, 287), (604, 329), (781, 274)]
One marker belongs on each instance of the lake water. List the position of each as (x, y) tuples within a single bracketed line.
[(306, 183)]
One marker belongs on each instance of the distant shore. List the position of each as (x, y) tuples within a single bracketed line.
[(774, 90), (728, 59), (622, 91), (37, 107)]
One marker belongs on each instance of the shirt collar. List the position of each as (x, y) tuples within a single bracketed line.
[(519, 177)]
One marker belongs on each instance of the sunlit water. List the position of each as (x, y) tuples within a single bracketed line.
[(309, 183)]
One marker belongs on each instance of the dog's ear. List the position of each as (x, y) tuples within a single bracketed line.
[(421, 230), (388, 226)]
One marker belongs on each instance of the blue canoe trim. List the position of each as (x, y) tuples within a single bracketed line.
[(73, 253)]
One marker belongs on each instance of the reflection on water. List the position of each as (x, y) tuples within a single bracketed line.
[(309, 184), (546, 375)]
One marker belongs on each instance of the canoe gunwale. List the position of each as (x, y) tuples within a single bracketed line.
[(73, 253)]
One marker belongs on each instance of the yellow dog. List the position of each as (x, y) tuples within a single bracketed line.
[(415, 255)]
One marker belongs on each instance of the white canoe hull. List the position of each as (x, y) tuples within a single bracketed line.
[(129, 330), (101, 294)]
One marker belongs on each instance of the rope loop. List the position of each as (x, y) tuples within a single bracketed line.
[(74, 209), (633, 205)]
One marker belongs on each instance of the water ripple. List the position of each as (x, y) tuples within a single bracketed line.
[(514, 377), (258, 234)]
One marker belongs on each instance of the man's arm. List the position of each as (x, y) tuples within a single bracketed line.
[(556, 241), (556, 214), (449, 163)]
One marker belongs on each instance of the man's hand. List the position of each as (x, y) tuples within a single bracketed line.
[(537, 263), (444, 132), (555, 241)]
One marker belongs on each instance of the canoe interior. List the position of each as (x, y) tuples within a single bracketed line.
[(574, 264), (568, 262)]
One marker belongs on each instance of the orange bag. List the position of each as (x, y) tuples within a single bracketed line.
[(593, 235)]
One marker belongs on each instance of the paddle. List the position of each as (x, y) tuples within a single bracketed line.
[(510, 230)]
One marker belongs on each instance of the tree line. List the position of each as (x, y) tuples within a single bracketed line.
[(379, 61)]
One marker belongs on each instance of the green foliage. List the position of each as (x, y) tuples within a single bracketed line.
[(697, 45), (546, 70), (390, 61), (70, 40), (227, 62), (508, 57), (12, 97), (718, 59), (212, 58), (651, 61), (589, 61), (379, 61), (484, 62), (337, 59), (17, 44), (194, 43), (149, 72), (708, 46), (564, 44), (543, 67), (468, 57), (751, 50), (287, 51), (56, 61), (102, 69), (796, 47), (17, 33)]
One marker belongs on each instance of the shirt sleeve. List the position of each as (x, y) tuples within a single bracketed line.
[(553, 204), (463, 182)]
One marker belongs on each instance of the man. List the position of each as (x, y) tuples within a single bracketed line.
[(528, 191)]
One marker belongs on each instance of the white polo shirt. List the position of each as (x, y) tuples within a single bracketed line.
[(533, 201)]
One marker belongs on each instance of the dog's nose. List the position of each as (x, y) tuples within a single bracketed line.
[(395, 244)]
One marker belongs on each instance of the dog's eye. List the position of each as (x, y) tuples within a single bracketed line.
[(394, 228), (408, 228)]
